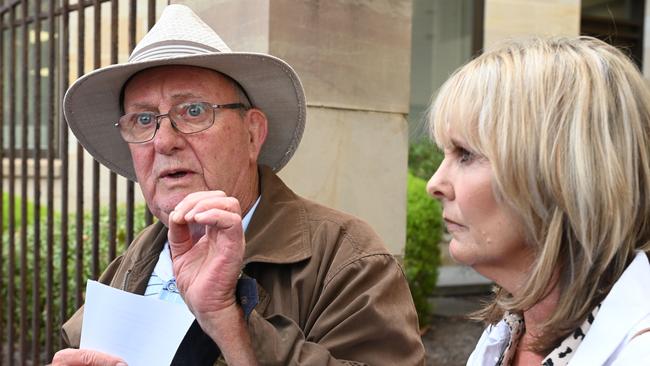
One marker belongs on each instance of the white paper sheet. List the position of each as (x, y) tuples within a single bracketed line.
[(143, 331)]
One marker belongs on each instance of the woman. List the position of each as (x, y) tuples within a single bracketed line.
[(545, 187)]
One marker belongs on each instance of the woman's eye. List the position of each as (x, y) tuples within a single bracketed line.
[(144, 119), (464, 155), (195, 110)]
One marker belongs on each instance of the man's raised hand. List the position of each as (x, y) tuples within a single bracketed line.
[(206, 239)]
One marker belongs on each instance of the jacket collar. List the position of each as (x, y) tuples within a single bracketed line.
[(278, 231), (625, 305), (146, 250)]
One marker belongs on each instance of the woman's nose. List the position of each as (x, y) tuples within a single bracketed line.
[(439, 186)]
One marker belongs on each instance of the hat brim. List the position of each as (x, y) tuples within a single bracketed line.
[(92, 104)]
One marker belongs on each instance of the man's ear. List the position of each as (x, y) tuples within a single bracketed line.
[(257, 131)]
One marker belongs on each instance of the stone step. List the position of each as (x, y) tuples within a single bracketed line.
[(461, 280)]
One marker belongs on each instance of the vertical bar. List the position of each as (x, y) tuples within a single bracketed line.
[(64, 75), (151, 14), (148, 217), (639, 45), (97, 49), (477, 27), (12, 190), (81, 51), (36, 284), (49, 298), (112, 207), (130, 208), (133, 7), (130, 190), (151, 20), (23, 184), (2, 149)]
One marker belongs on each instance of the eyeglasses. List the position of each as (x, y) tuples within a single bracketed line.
[(186, 118)]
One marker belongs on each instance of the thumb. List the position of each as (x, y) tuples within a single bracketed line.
[(81, 357), (179, 235)]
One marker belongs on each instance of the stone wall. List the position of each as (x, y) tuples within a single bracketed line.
[(353, 58), (516, 18)]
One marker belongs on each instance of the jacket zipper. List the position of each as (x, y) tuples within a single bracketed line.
[(126, 279)]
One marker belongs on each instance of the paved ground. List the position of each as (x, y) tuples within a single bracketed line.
[(451, 336), (450, 340)]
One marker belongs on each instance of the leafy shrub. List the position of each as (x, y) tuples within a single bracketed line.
[(72, 285), (17, 210), (424, 158), (422, 253)]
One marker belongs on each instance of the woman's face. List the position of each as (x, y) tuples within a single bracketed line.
[(486, 233)]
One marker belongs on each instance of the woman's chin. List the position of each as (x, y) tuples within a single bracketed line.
[(460, 253), (469, 254)]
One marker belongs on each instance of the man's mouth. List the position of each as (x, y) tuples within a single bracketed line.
[(174, 174)]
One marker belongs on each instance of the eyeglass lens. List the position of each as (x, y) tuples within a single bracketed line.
[(185, 118)]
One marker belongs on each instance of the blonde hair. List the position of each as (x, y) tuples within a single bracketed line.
[(565, 124)]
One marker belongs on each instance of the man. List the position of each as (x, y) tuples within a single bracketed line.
[(203, 130)]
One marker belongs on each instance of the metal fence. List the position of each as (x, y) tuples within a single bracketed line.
[(48, 248)]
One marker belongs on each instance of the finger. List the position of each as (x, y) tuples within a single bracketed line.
[(192, 199), (85, 357), (179, 235), (216, 218), (227, 226), (229, 204)]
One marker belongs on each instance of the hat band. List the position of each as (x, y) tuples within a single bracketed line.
[(170, 49)]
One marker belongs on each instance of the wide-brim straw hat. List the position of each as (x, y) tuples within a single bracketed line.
[(92, 104)]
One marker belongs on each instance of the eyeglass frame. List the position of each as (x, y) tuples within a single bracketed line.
[(158, 117)]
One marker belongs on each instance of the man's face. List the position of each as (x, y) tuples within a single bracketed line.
[(173, 164)]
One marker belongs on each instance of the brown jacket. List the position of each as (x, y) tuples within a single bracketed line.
[(329, 290)]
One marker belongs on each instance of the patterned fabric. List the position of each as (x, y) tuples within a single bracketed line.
[(562, 354), (515, 322), (162, 283)]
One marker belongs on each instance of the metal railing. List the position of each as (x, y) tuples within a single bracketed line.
[(43, 263)]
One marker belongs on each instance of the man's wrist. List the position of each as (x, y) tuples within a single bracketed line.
[(229, 330)]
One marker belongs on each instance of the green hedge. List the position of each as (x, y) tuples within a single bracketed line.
[(424, 158), (17, 210), (139, 224), (422, 253)]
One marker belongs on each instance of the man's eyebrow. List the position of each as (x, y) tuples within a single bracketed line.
[(185, 95), (151, 107)]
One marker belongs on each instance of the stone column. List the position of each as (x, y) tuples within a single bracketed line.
[(353, 58), (516, 18)]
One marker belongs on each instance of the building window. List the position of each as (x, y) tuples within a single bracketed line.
[(445, 35), (20, 101)]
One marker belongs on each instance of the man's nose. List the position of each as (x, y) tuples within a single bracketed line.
[(167, 138), (439, 186)]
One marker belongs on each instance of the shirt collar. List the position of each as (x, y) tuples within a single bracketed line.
[(247, 218)]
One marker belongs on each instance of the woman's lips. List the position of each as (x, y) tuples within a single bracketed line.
[(453, 225)]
